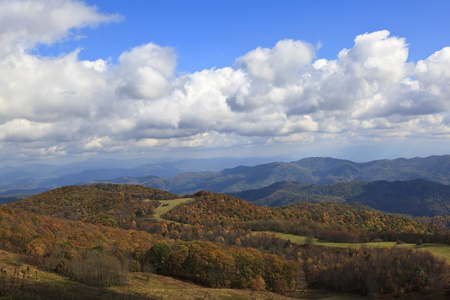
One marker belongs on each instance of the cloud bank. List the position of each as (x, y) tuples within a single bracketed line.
[(52, 106)]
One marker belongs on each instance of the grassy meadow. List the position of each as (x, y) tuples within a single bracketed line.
[(439, 250), (167, 205)]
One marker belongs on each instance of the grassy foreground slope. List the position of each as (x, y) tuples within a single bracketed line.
[(38, 284)]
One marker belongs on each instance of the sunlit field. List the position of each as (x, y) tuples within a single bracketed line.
[(439, 250), (167, 205)]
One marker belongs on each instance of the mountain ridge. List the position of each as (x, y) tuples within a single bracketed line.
[(178, 177), (415, 197), (318, 170)]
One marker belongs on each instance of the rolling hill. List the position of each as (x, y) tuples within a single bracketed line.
[(106, 204), (104, 235)]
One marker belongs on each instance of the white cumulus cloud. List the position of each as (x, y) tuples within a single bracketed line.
[(62, 105), (25, 23)]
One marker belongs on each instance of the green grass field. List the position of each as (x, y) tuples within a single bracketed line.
[(167, 205), (439, 250)]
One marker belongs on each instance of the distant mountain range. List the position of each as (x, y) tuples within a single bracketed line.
[(416, 197), (37, 178), (173, 176), (317, 170)]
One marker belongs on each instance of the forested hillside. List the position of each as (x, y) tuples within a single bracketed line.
[(416, 197), (106, 204), (98, 234), (354, 222)]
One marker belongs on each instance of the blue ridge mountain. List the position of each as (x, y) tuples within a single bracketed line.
[(318, 170), (416, 197)]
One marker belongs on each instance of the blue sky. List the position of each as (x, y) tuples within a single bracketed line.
[(350, 79), (209, 34)]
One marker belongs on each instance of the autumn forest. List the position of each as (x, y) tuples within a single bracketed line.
[(100, 234)]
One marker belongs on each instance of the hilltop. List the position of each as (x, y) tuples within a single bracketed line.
[(107, 204)]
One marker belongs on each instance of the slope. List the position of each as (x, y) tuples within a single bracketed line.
[(39, 284)]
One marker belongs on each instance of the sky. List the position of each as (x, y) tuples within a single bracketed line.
[(359, 80)]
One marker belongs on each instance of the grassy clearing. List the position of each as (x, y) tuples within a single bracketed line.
[(439, 250), (167, 205)]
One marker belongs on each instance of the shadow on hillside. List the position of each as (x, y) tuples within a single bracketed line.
[(44, 291)]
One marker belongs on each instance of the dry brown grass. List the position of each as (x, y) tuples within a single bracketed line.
[(46, 285), (163, 287)]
